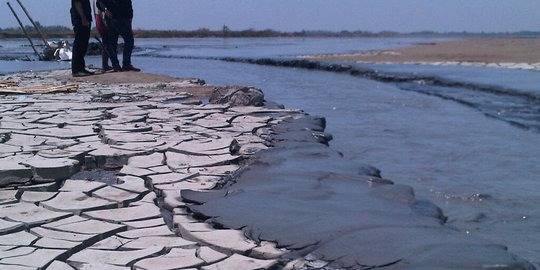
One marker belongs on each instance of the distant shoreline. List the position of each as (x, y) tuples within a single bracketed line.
[(65, 32), (489, 51)]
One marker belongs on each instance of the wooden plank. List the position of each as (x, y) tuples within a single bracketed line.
[(40, 89)]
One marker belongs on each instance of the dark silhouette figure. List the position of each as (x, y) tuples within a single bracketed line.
[(81, 18), (119, 16)]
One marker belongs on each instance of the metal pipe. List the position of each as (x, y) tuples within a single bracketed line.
[(24, 30), (35, 25)]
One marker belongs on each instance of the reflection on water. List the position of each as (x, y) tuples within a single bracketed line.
[(483, 172)]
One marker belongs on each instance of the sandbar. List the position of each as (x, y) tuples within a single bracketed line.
[(484, 50)]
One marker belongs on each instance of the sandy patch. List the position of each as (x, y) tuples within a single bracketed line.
[(470, 51)]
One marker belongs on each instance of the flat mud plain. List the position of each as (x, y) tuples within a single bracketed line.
[(173, 183)]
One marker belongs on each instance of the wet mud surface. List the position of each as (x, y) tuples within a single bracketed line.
[(306, 197)]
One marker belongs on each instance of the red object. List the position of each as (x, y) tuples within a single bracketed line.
[(100, 24)]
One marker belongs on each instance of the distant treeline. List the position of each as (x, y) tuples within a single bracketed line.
[(54, 31), (60, 31)]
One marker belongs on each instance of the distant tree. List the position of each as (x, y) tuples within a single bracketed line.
[(29, 28), (226, 31), (54, 28)]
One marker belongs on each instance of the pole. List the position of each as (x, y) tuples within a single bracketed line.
[(24, 30), (35, 25)]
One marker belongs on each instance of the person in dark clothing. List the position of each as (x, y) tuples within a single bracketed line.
[(81, 18), (119, 15)]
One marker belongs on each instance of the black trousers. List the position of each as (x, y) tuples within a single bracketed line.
[(120, 27), (80, 46)]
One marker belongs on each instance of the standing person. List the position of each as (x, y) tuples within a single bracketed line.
[(101, 27), (81, 18), (119, 14)]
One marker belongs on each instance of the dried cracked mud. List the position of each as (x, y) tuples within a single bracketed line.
[(127, 176), (137, 150)]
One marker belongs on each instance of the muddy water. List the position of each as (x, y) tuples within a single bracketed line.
[(482, 171)]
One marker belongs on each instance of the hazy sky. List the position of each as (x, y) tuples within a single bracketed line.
[(295, 15)]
